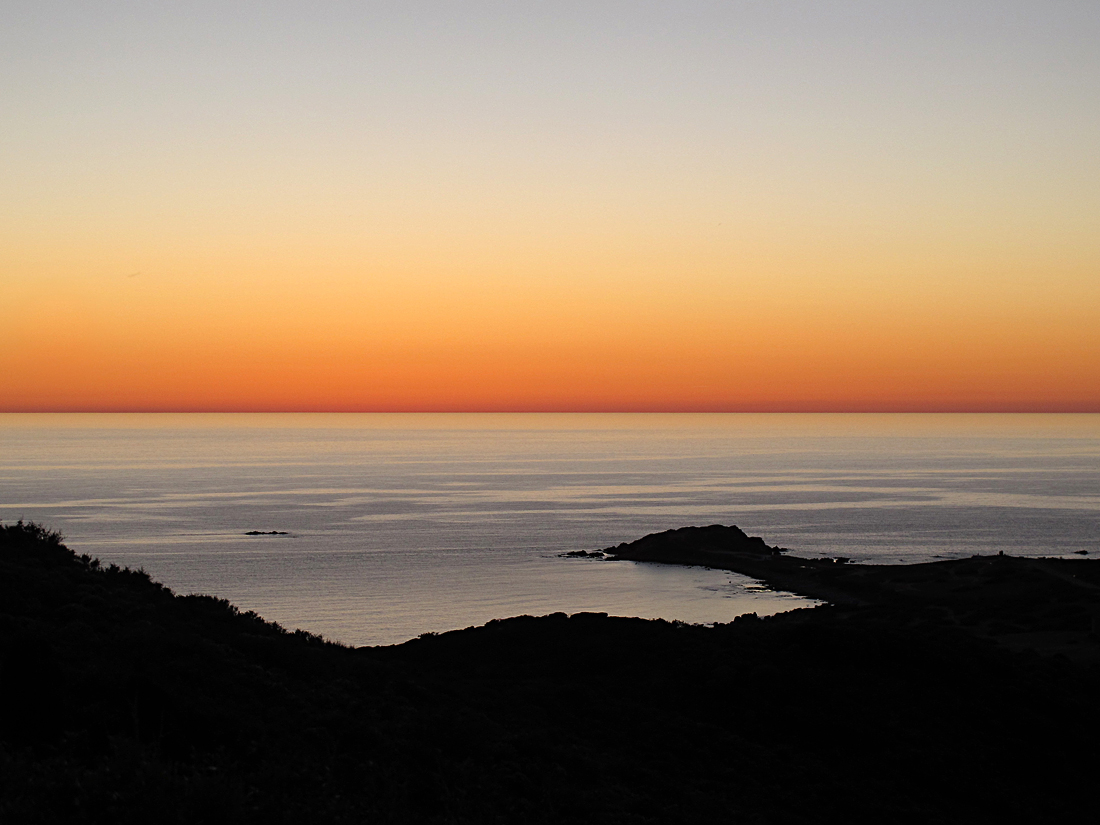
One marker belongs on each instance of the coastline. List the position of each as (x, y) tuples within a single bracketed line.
[(125, 702), (1005, 599)]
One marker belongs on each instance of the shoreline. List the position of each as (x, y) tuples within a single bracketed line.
[(906, 703), (1001, 598)]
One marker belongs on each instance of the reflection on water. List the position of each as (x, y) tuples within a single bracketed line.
[(402, 524)]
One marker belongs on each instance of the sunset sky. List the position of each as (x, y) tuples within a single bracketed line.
[(550, 206)]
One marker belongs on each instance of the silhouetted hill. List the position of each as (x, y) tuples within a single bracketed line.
[(122, 702)]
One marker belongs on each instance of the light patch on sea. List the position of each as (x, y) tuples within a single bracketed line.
[(401, 524)]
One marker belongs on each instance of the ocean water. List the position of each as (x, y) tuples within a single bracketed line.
[(401, 524)]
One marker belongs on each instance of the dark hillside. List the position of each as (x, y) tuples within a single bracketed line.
[(122, 702)]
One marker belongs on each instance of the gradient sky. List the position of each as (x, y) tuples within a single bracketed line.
[(550, 206)]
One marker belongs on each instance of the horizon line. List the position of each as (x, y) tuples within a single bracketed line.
[(1001, 410)]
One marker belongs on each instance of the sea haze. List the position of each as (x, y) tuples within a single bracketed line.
[(401, 524)]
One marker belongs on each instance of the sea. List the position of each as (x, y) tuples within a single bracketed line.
[(377, 528)]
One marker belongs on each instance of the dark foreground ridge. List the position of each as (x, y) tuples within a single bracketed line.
[(121, 702)]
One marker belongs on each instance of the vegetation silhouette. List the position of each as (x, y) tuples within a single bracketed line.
[(123, 702)]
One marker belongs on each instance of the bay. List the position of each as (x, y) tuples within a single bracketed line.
[(401, 524)]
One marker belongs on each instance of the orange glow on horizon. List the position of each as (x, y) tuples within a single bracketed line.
[(336, 353)]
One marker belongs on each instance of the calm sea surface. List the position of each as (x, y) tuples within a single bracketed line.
[(401, 524)]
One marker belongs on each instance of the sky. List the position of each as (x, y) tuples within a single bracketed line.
[(374, 206)]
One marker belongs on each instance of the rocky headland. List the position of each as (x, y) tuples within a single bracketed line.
[(1045, 605)]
